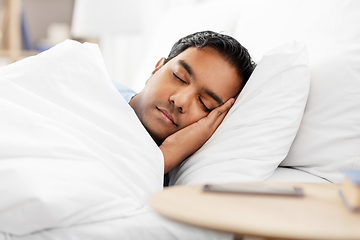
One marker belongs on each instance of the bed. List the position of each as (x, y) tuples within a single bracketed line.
[(297, 120)]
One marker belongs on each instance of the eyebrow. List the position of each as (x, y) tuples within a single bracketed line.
[(213, 96), (187, 67), (207, 91)]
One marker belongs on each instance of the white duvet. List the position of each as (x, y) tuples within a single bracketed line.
[(72, 151)]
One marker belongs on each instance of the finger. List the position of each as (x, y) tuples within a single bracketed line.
[(219, 111), (217, 115)]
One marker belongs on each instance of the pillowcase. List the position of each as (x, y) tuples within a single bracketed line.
[(259, 129), (329, 136)]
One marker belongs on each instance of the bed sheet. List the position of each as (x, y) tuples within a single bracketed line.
[(288, 174), (73, 151), (75, 162), (149, 226)]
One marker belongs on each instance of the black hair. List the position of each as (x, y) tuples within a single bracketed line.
[(233, 52)]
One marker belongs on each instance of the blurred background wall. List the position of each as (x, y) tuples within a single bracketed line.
[(40, 15)]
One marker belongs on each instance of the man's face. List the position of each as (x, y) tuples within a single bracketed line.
[(184, 90)]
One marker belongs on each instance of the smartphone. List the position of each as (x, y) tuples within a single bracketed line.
[(254, 189)]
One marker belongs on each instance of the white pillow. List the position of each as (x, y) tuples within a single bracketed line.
[(259, 129), (329, 135)]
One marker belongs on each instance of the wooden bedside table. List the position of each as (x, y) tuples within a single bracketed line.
[(320, 214)]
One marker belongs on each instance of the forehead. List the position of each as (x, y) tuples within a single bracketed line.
[(209, 70)]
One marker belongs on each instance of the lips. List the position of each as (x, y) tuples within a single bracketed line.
[(167, 116)]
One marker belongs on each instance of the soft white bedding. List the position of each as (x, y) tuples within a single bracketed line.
[(287, 174), (75, 162), (149, 226), (72, 150), (258, 130)]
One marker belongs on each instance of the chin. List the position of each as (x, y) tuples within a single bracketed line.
[(157, 139)]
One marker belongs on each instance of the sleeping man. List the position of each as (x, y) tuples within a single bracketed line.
[(74, 151), (189, 93)]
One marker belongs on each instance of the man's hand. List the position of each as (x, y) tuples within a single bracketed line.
[(185, 142)]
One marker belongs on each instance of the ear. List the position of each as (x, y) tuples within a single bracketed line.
[(158, 65)]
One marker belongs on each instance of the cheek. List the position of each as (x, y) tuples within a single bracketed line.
[(195, 115), (155, 90), (160, 84)]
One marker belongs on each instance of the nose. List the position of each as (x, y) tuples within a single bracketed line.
[(181, 99)]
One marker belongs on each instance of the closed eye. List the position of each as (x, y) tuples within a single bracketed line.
[(204, 106), (176, 76)]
